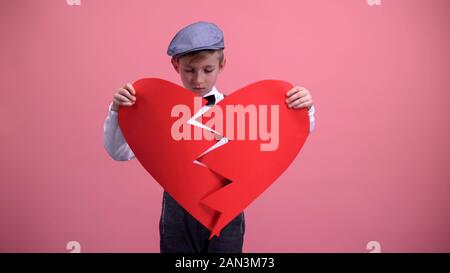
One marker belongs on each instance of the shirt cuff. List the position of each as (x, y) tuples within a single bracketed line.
[(311, 111), (111, 112)]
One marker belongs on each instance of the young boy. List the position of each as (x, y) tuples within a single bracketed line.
[(197, 56)]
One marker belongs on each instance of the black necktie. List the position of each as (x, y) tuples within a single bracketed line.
[(211, 99)]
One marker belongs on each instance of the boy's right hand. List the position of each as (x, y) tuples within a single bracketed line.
[(124, 97)]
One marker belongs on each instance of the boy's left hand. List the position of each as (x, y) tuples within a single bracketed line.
[(299, 97)]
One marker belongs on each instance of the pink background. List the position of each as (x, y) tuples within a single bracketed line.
[(374, 169)]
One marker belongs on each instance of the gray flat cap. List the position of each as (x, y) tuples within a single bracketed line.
[(195, 37)]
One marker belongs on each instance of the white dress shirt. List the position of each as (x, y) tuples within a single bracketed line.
[(117, 147)]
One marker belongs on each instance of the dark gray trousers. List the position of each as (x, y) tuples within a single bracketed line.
[(182, 233)]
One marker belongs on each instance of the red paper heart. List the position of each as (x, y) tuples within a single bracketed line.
[(147, 128)]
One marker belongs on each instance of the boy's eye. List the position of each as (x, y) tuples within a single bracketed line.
[(191, 70)]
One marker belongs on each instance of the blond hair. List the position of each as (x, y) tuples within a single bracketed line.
[(200, 54)]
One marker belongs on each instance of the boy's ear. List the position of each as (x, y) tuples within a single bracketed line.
[(175, 65), (222, 64)]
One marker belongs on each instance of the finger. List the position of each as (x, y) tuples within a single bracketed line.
[(127, 104), (293, 97), (301, 105), (297, 102), (293, 104), (131, 88), (294, 90), (303, 93), (291, 92), (306, 97), (127, 94), (121, 99)]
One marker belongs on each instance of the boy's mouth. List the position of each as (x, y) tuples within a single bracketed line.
[(199, 88)]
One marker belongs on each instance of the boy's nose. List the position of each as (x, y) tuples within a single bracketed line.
[(198, 78)]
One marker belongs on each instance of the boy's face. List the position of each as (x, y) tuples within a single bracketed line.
[(199, 72)]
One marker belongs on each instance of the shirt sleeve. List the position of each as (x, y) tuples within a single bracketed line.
[(312, 121), (113, 140)]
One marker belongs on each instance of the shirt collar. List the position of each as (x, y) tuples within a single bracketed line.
[(216, 93)]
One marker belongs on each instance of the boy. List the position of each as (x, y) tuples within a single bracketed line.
[(197, 56)]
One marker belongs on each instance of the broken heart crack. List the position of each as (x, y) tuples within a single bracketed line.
[(222, 220)]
